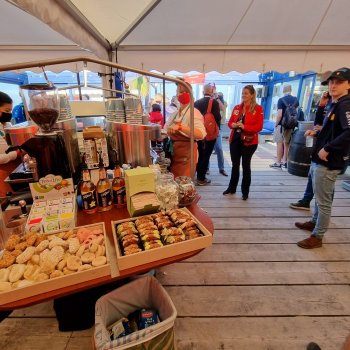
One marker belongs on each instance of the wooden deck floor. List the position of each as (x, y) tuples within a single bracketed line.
[(254, 288)]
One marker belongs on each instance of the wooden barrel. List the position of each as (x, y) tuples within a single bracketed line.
[(299, 156)]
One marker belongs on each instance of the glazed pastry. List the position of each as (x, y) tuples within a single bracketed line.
[(80, 251), (12, 241), (35, 259), (21, 246), (66, 271), (62, 264), (7, 259), (16, 252), (39, 239), (31, 238), (100, 251)]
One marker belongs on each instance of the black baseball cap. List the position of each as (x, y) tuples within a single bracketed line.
[(341, 74)]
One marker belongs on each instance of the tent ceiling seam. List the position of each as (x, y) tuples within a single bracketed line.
[(233, 47), (135, 24), (74, 12), (321, 21), (241, 20)]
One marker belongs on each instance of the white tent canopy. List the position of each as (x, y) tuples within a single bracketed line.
[(182, 35)]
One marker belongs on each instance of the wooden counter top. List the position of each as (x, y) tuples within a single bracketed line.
[(107, 217)]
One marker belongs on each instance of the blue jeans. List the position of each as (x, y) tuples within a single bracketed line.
[(309, 191), (219, 151), (323, 181)]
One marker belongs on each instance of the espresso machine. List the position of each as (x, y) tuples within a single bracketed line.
[(48, 147)]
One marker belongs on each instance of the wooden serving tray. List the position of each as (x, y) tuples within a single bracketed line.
[(63, 281), (171, 250)]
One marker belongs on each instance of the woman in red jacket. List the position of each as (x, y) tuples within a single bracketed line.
[(246, 121)]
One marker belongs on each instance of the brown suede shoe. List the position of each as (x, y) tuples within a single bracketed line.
[(310, 243), (308, 225)]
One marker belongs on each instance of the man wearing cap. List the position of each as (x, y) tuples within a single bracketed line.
[(329, 156)]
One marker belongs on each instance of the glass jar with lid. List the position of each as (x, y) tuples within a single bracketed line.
[(187, 190), (167, 191)]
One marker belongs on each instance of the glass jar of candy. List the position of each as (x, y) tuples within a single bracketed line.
[(167, 191), (187, 190)]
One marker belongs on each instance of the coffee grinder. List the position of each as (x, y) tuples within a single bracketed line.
[(42, 106)]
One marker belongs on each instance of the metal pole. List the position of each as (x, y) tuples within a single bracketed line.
[(164, 119), (79, 87), (24, 65)]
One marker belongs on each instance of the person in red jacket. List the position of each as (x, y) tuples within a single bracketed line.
[(246, 121), (156, 116)]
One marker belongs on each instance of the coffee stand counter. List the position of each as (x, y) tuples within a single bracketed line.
[(113, 215)]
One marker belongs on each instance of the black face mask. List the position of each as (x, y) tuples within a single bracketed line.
[(5, 117)]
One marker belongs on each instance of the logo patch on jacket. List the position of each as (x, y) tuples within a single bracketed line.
[(236, 112), (348, 117)]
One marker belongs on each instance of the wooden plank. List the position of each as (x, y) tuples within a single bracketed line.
[(79, 343), (254, 273), (276, 236), (268, 223), (39, 310), (272, 196), (276, 212), (216, 186), (261, 301), (231, 202), (272, 252), (272, 333), (32, 334)]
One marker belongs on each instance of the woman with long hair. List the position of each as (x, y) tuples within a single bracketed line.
[(246, 121)]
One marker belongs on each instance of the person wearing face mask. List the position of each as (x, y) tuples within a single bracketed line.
[(179, 131), (6, 105)]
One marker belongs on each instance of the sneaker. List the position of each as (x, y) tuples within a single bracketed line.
[(310, 243), (284, 165), (300, 205), (308, 225), (208, 172), (276, 165), (223, 172), (203, 182)]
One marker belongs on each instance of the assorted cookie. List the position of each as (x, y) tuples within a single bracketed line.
[(37, 257)]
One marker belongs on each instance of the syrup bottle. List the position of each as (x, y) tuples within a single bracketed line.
[(104, 195), (118, 185), (88, 191)]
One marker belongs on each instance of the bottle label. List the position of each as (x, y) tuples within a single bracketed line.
[(89, 200), (119, 195), (86, 176), (104, 198)]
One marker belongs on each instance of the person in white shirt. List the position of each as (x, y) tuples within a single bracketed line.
[(6, 105)]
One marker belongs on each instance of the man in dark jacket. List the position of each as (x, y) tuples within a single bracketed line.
[(205, 148), (329, 156)]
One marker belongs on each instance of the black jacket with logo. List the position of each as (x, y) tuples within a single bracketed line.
[(335, 135)]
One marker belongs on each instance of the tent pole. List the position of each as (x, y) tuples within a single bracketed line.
[(43, 63)]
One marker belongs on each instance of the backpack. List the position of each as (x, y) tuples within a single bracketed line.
[(290, 116), (210, 124)]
